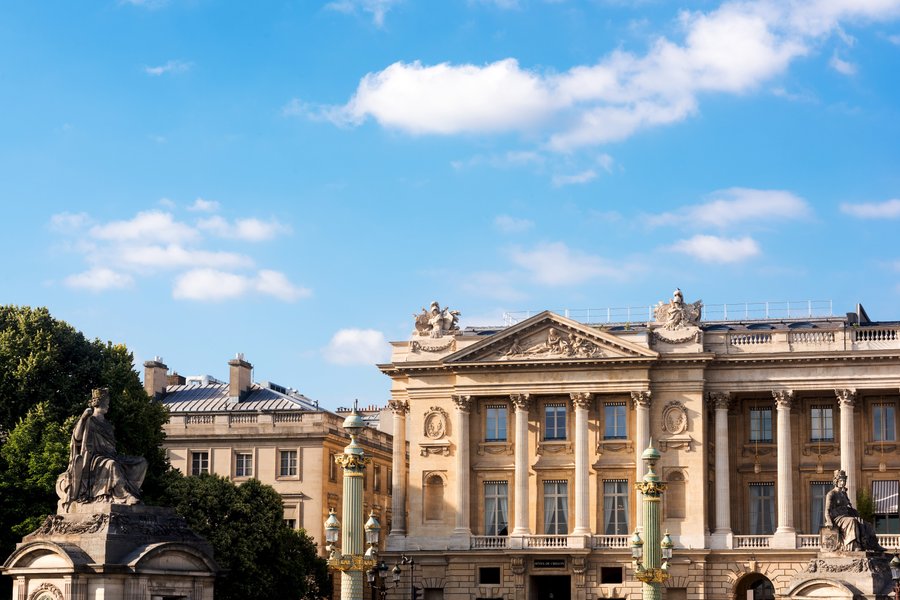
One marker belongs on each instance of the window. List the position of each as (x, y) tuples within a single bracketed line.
[(674, 496), (332, 467), (199, 463), (243, 464), (495, 424), (761, 425), (762, 508), (290, 523), (555, 422), (885, 496), (817, 492), (821, 424), (614, 421), (615, 507), (376, 478), (883, 423), (496, 508), (390, 482), (288, 463), (556, 507), (612, 575), (434, 498), (488, 575)]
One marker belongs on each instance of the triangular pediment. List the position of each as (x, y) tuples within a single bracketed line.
[(551, 337)]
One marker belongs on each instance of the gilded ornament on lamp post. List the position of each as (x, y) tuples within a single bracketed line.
[(651, 559)]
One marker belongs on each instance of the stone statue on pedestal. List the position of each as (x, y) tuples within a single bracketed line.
[(855, 534)]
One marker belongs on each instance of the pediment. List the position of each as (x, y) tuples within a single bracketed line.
[(551, 337)]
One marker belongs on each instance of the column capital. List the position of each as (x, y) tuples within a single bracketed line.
[(641, 399), (398, 407), (783, 398), (520, 401), (719, 399), (463, 402), (846, 397), (581, 399)]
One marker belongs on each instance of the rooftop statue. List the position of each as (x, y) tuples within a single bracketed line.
[(676, 314), (435, 321), (855, 534), (96, 472)]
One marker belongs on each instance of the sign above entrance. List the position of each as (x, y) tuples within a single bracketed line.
[(549, 563)]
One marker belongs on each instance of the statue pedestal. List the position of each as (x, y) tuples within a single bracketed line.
[(856, 575), (97, 550)]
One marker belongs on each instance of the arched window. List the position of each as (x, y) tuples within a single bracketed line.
[(675, 501), (755, 587), (434, 498)]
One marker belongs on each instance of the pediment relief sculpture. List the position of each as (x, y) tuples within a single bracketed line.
[(436, 321), (677, 314), (552, 343)]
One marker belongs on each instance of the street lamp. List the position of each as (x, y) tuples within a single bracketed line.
[(407, 560), (895, 575), (352, 562), (651, 560), (376, 576)]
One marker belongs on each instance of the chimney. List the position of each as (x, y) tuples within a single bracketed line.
[(239, 377), (155, 378), (176, 379)]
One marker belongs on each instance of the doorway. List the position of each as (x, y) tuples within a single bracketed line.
[(552, 587)]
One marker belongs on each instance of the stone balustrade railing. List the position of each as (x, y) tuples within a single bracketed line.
[(489, 542), (547, 541), (752, 541), (611, 541), (806, 540)]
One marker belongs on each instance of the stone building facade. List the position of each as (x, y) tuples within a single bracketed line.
[(524, 445)]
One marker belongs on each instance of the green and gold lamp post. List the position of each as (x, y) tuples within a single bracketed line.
[(352, 561), (651, 558)]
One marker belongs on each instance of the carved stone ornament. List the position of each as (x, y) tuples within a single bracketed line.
[(783, 398), (641, 398), (553, 344), (719, 399), (435, 424), (847, 397), (847, 565), (417, 346), (463, 402), (520, 401), (46, 591), (436, 449), (676, 314), (398, 407), (436, 321), (581, 399), (674, 418)]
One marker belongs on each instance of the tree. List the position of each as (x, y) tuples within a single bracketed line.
[(262, 557)]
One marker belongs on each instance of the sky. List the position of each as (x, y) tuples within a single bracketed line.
[(294, 180)]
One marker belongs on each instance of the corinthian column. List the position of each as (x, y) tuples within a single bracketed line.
[(641, 402), (399, 408), (720, 401), (783, 401), (463, 405), (581, 402), (521, 402), (847, 400)]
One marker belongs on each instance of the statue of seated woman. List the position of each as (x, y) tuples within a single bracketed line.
[(96, 472), (856, 534)]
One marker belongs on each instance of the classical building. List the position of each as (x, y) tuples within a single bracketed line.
[(241, 430), (525, 440)]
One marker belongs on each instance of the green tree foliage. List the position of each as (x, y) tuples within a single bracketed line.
[(865, 505), (261, 556)]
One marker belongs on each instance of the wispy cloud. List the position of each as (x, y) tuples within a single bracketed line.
[(99, 279), (734, 206), (175, 256), (377, 9), (172, 66), (555, 264), (216, 286), (69, 222), (357, 347), (251, 230), (889, 209), (714, 249), (201, 205), (511, 159), (147, 226), (508, 224), (575, 178), (842, 66)]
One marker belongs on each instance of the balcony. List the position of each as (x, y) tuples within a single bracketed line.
[(489, 542)]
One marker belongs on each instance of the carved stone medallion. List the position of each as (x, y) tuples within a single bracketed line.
[(674, 418), (435, 423)]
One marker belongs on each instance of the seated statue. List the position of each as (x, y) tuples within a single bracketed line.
[(96, 472), (855, 534)]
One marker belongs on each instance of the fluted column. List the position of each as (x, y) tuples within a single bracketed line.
[(641, 402), (581, 402), (399, 408), (847, 400), (463, 406), (783, 401), (720, 401), (521, 402)]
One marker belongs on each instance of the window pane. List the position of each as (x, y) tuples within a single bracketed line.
[(615, 507), (821, 424), (614, 421), (762, 509), (199, 463), (760, 425), (883, 423), (288, 463), (556, 508), (818, 491), (555, 422), (495, 424)]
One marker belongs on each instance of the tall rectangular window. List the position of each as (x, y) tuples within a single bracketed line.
[(883, 429), (614, 421), (332, 467), (199, 463), (555, 422), (821, 424), (761, 425), (817, 492), (243, 464), (495, 424), (376, 478), (615, 507), (556, 507), (496, 508), (390, 483), (762, 508), (288, 467)]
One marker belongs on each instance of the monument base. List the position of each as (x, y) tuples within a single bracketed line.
[(852, 575)]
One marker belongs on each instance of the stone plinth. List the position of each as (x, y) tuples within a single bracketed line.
[(113, 551), (856, 575)]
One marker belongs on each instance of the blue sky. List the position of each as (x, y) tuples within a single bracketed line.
[(293, 180)]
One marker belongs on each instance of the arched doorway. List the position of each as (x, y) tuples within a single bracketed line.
[(755, 587)]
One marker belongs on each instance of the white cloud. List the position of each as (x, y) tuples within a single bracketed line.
[(357, 347), (889, 209), (251, 230), (732, 49), (66, 222), (175, 256), (201, 205), (842, 66), (607, 162), (736, 205), (172, 66), (555, 264), (575, 178), (714, 249), (148, 226), (215, 285), (508, 224), (514, 158), (99, 279), (378, 9)]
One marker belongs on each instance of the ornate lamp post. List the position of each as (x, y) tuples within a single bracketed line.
[(352, 562), (414, 592), (895, 575), (377, 575), (651, 565)]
